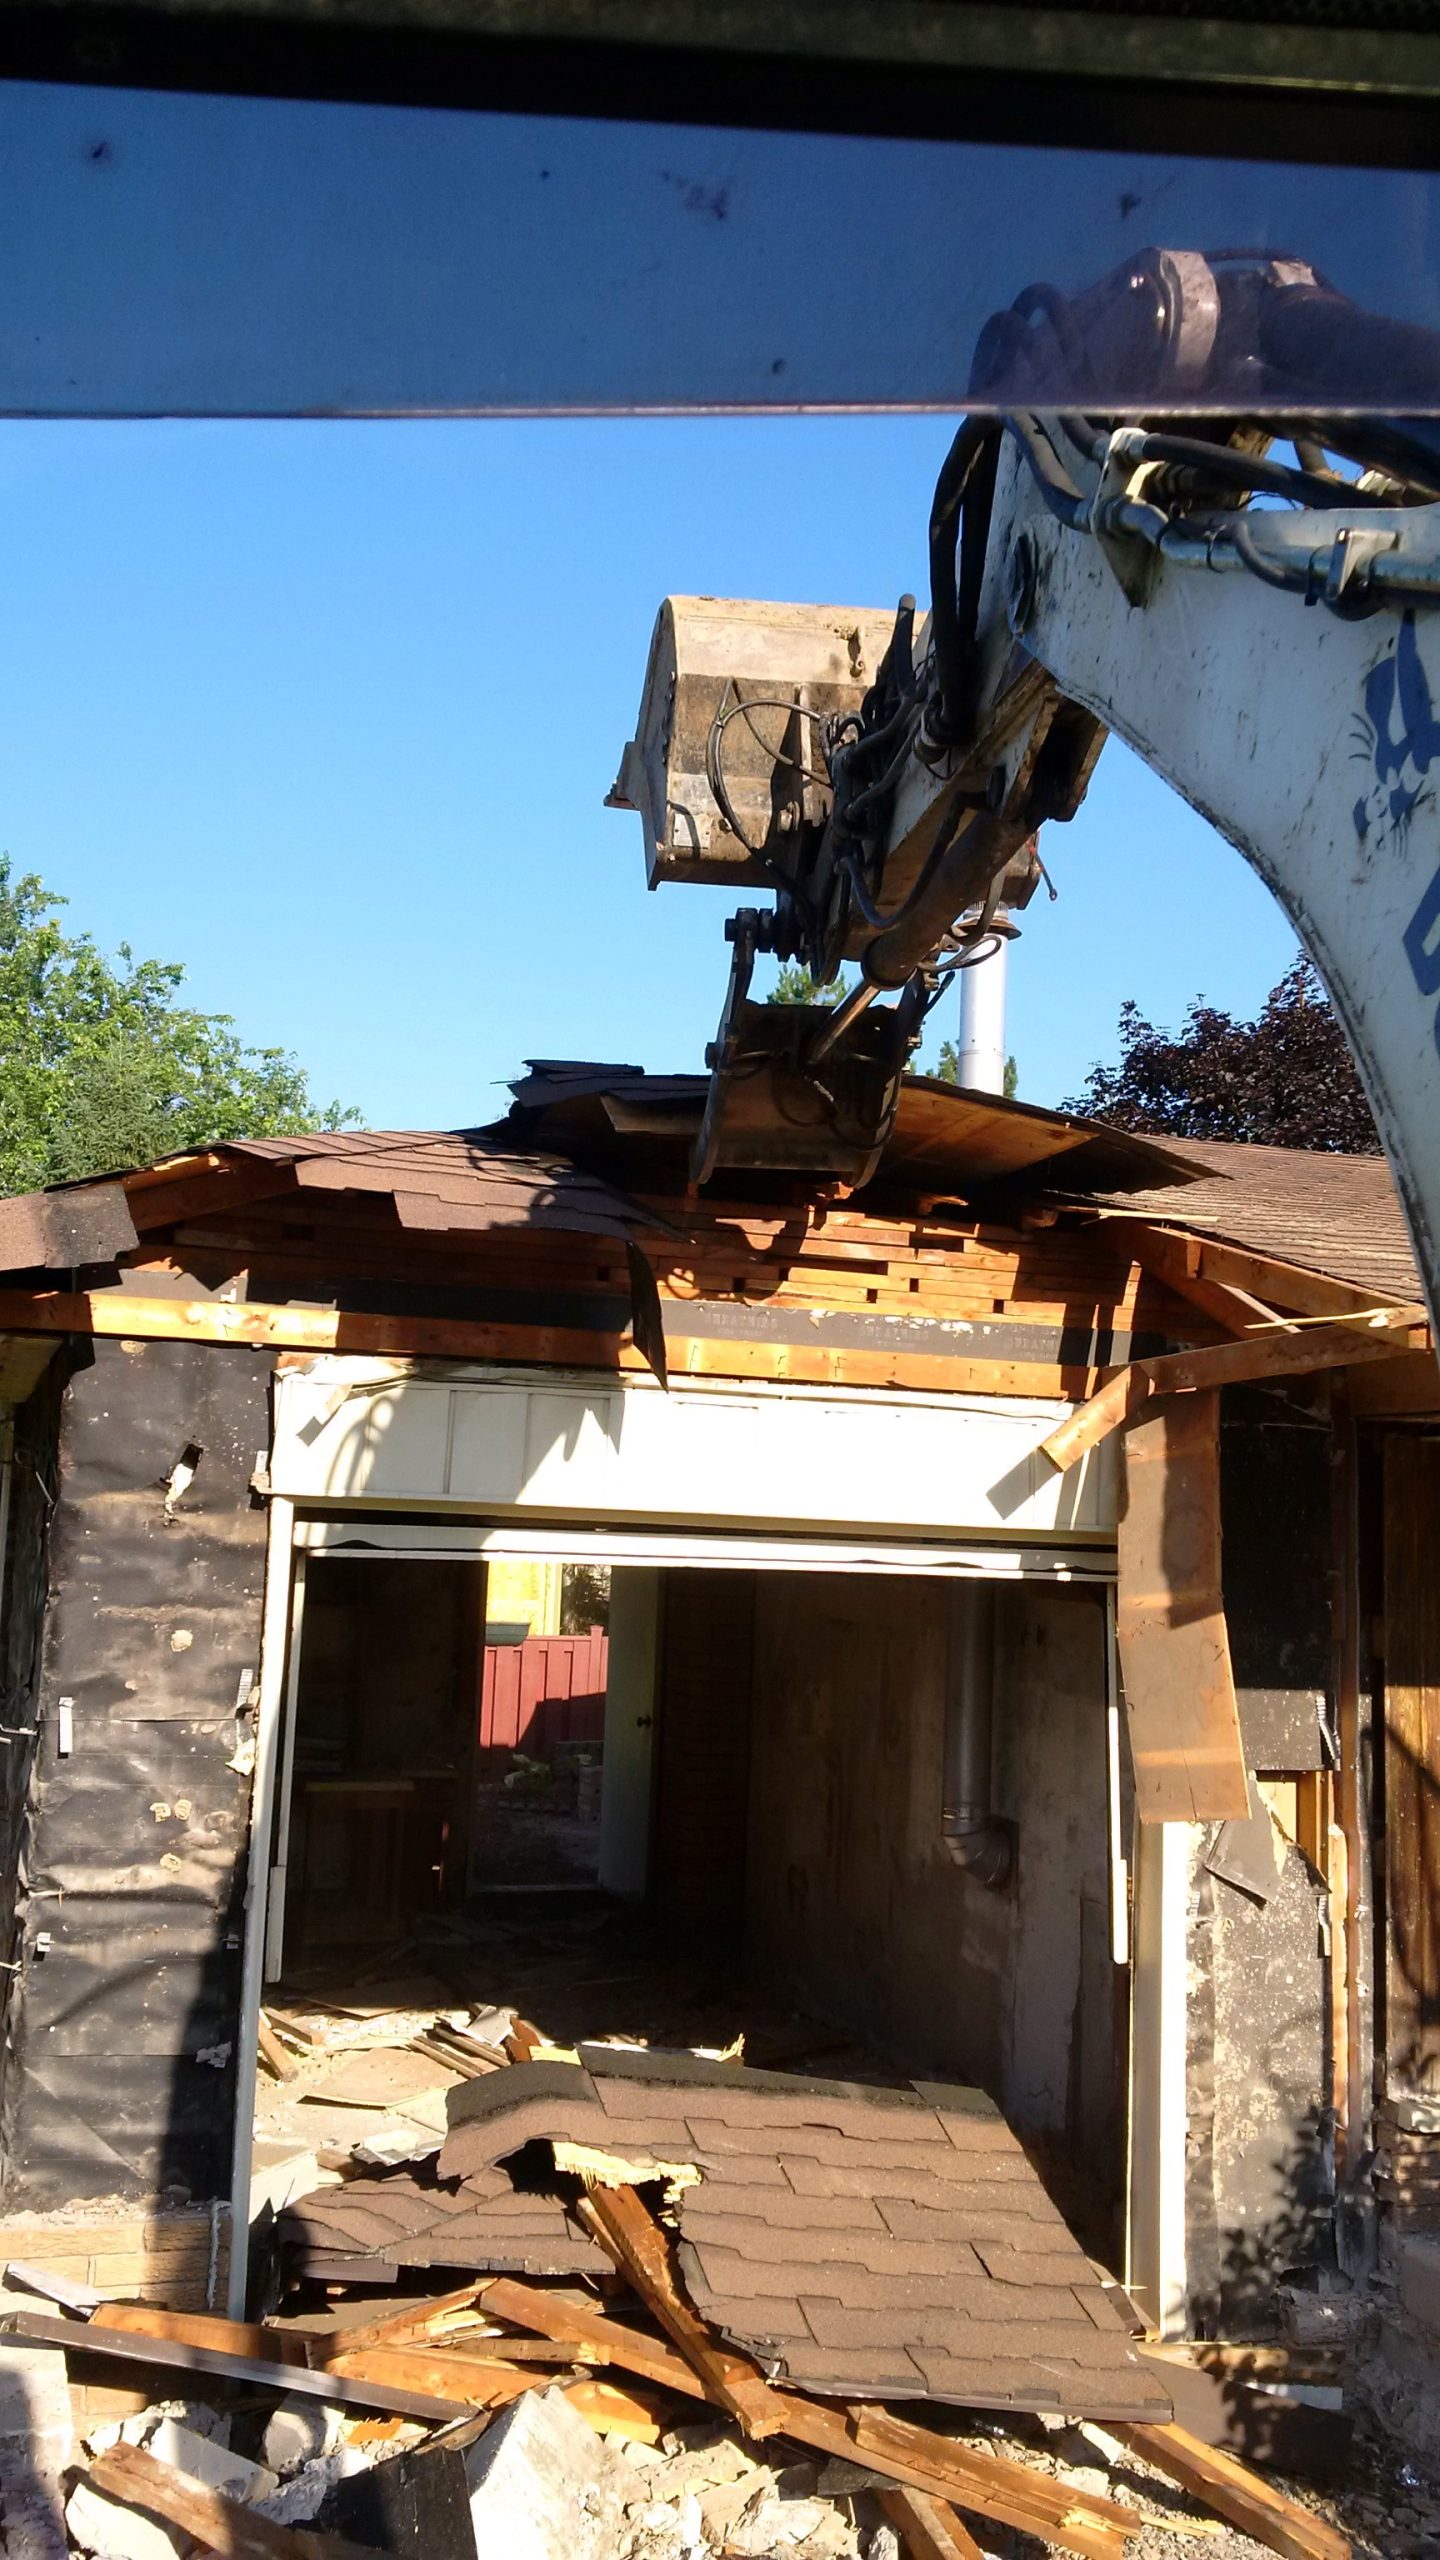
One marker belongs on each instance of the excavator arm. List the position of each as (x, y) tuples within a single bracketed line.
[(1249, 602)]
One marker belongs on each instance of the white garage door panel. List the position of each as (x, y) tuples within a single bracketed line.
[(783, 1456)]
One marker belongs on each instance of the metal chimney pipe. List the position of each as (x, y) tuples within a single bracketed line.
[(975, 1839), (980, 1054)]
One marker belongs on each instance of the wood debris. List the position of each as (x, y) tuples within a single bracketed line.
[(699, 2440)]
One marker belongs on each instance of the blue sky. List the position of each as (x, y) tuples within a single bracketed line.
[(328, 712)]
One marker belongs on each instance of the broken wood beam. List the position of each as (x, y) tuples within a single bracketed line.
[(591, 2332), (205, 2329), (217, 2523), (393, 2328), (619, 2221), (928, 2529), (1237, 2494), (1270, 1355), (446, 2373), (277, 2057), (1004, 2490), (1174, 1254), (134, 2346), (126, 1315), (1028, 2500)]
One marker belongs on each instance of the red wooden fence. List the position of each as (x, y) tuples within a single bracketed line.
[(548, 1690)]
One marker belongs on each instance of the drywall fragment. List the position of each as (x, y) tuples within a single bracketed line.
[(390, 2146), (542, 2487), (537, 2485), (201, 2458), (300, 2430), (299, 2499), (101, 2526)]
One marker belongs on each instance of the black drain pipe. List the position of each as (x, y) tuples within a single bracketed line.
[(975, 1839)]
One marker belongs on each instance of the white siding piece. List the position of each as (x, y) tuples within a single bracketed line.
[(571, 1444)]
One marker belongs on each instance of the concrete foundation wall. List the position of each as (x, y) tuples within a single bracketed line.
[(852, 1896)]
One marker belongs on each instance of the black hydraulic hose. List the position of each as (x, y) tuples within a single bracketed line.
[(1321, 344), (965, 490), (962, 864), (1257, 471), (1059, 492), (1295, 580), (1406, 449)]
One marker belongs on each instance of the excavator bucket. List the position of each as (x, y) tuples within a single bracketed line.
[(775, 1104)]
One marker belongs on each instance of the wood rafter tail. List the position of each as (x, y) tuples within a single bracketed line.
[(1334, 1345)]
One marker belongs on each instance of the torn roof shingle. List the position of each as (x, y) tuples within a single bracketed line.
[(1339, 1215), (855, 2240), (407, 2218)]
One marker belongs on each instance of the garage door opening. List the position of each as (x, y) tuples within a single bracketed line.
[(690, 1805)]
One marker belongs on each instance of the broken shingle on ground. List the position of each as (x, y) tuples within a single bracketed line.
[(795, 2252), (856, 2241)]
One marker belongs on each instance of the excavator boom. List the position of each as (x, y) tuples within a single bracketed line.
[(1251, 602)]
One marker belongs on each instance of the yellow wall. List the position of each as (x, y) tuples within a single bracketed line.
[(517, 1589)]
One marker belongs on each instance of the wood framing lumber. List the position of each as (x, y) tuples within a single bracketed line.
[(1174, 1254), (133, 2346), (1006, 2491), (1029, 2500), (279, 2061), (620, 2222), (479, 2382), (1181, 1709), (217, 2523), (394, 2328), (128, 1316), (206, 2329), (640, 2416), (592, 2332), (928, 2529), (1277, 1355), (1237, 2494)]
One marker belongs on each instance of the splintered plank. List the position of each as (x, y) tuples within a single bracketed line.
[(639, 2248), (640, 2417), (394, 2328), (928, 2529), (1224, 2485), (217, 2523), (481, 2382), (205, 2329), (1005, 2491), (592, 2332)]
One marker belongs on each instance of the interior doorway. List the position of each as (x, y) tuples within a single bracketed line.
[(374, 1815), (444, 1742)]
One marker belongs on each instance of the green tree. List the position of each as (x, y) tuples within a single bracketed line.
[(101, 1067), (795, 985), (948, 1069)]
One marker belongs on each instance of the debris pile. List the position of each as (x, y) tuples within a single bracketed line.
[(642, 2305)]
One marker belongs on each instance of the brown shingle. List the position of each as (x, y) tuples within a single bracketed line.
[(1336, 1214), (855, 2240)]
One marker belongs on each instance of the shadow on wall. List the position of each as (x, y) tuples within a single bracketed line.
[(1411, 1991), (1290, 2243)]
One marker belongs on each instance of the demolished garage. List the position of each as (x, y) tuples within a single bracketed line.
[(1021, 1650)]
